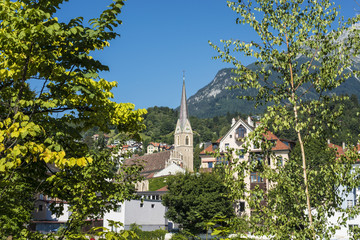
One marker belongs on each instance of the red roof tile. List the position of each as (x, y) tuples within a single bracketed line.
[(339, 149), (209, 149), (163, 189), (279, 145)]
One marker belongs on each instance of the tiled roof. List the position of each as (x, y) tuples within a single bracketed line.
[(162, 189), (162, 145), (154, 144), (339, 149), (209, 149), (151, 162), (279, 145)]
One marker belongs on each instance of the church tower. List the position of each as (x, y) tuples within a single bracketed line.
[(183, 137)]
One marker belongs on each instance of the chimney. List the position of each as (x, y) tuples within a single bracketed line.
[(343, 146), (250, 121), (233, 122), (328, 141)]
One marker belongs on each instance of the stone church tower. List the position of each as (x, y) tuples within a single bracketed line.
[(183, 137)]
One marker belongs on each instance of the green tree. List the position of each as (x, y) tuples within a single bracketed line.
[(40, 127), (194, 199), (197, 160), (298, 43)]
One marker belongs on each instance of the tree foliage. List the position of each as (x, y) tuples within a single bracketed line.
[(288, 31), (50, 92), (194, 199)]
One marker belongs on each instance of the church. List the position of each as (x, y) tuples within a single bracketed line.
[(179, 159)]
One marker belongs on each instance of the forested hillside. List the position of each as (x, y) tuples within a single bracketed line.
[(348, 128), (160, 124)]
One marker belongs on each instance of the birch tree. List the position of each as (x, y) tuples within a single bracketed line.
[(303, 47)]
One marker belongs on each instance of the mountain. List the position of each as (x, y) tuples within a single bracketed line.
[(216, 100)]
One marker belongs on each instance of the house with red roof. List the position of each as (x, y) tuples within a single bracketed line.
[(157, 147), (235, 139), (350, 199)]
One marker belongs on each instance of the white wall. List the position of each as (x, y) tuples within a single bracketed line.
[(172, 169), (150, 214), (118, 216)]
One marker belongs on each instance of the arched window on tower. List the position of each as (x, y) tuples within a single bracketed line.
[(178, 140), (187, 140)]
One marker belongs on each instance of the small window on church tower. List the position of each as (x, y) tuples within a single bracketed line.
[(187, 141), (178, 140)]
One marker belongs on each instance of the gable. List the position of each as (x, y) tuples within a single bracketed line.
[(232, 130)]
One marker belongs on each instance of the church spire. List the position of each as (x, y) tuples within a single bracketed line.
[(183, 106)]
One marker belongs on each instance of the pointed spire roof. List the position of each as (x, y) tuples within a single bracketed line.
[(183, 106)]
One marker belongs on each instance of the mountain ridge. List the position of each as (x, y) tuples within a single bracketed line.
[(214, 99)]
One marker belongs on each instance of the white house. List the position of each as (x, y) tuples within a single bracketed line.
[(235, 139)]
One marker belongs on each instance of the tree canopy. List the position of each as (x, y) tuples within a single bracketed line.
[(194, 199), (310, 48), (51, 92)]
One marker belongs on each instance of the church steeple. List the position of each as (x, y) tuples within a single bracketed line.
[(183, 106), (183, 137)]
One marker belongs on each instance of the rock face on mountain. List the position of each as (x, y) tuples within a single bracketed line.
[(215, 99)]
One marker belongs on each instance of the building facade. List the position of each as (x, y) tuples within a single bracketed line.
[(235, 139)]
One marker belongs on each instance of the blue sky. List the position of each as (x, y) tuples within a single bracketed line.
[(161, 38)]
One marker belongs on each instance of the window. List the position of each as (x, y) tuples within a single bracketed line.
[(230, 136), (40, 208), (152, 205), (256, 178), (210, 165), (280, 161), (242, 154), (41, 197), (257, 158), (187, 140), (242, 206), (141, 205), (226, 145), (350, 203), (240, 132), (118, 208), (353, 227), (178, 140), (221, 160)]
